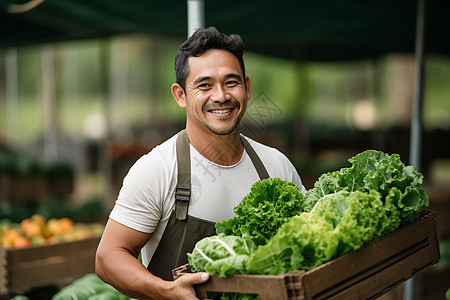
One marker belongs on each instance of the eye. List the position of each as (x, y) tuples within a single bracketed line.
[(232, 83), (204, 86)]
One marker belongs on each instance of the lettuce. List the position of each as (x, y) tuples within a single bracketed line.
[(220, 254), (339, 223), (298, 243), (270, 203), (345, 210), (371, 170)]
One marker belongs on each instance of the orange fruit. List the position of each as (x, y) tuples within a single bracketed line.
[(30, 227), (21, 242)]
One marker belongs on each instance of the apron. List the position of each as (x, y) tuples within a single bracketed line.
[(183, 231)]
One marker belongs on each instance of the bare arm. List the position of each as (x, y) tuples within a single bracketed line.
[(116, 263)]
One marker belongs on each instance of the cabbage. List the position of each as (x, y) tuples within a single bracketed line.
[(220, 254)]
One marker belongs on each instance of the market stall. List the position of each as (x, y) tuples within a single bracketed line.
[(308, 32)]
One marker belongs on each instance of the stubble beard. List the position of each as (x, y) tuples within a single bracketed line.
[(225, 131)]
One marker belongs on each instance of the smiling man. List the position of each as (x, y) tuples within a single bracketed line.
[(215, 99), (173, 196)]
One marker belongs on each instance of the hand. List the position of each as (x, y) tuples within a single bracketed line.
[(184, 286)]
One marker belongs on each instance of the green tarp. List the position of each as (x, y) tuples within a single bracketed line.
[(316, 30)]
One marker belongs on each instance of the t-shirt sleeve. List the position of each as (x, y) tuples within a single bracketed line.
[(141, 201)]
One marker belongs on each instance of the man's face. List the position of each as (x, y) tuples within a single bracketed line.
[(216, 92)]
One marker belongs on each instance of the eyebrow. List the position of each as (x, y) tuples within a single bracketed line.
[(208, 78)]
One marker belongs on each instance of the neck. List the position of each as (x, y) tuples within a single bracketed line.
[(224, 150)]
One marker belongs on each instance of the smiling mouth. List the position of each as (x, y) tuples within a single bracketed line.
[(220, 111), (221, 108)]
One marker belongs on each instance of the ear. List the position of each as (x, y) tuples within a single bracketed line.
[(179, 95), (248, 87)]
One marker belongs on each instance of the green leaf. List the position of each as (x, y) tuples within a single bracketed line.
[(270, 203), (220, 254)]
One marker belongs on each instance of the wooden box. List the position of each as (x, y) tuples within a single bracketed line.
[(364, 274), (58, 264)]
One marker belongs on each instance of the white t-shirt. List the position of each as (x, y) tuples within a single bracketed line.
[(146, 198)]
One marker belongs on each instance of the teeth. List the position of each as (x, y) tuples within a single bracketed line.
[(223, 111)]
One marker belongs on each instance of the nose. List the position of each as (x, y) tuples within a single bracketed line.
[(219, 94)]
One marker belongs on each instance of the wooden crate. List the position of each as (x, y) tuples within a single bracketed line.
[(58, 264), (364, 274)]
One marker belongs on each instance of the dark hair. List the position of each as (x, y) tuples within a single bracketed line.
[(201, 41)]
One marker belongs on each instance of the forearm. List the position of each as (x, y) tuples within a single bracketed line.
[(124, 272), (116, 263)]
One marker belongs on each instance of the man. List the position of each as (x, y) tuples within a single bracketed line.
[(173, 196)]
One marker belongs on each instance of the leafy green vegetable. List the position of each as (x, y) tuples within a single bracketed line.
[(339, 223), (89, 287), (270, 203), (20, 297), (348, 208), (297, 243), (399, 185), (345, 210), (221, 254), (357, 218)]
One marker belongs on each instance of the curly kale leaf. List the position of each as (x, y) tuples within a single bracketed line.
[(270, 203)]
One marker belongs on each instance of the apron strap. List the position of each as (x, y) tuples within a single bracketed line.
[(183, 190), (259, 166)]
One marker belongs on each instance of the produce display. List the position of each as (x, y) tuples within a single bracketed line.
[(345, 210), (37, 230), (89, 287)]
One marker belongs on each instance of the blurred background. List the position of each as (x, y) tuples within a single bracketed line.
[(85, 91)]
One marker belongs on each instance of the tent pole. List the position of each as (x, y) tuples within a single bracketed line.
[(50, 126), (196, 15), (419, 83), (105, 163), (416, 118)]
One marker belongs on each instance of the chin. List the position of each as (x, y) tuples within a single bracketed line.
[(222, 131)]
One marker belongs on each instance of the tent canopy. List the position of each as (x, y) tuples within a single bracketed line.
[(319, 30)]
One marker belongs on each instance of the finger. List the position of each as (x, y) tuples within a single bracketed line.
[(196, 278)]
